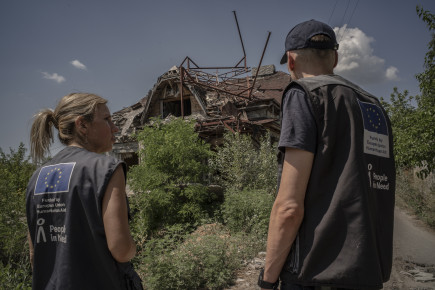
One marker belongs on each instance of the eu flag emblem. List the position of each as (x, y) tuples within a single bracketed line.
[(376, 141), (374, 119), (54, 178)]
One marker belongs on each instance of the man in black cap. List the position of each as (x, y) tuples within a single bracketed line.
[(331, 225)]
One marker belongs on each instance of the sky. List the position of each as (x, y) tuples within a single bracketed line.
[(118, 49)]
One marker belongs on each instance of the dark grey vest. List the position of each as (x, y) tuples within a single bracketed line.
[(345, 239), (64, 215)]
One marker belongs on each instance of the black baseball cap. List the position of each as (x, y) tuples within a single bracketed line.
[(300, 37)]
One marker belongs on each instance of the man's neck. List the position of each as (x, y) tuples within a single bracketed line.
[(299, 75)]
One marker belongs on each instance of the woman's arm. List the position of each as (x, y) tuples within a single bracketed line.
[(115, 219), (31, 249)]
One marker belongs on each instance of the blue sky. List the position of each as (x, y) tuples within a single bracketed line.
[(118, 49)]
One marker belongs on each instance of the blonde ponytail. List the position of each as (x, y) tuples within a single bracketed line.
[(41, 134)]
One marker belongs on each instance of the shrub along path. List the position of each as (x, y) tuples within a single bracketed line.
[(413, 265)]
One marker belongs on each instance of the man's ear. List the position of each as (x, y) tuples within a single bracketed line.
[(290, 62)]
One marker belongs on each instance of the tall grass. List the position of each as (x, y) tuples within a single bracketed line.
[(417, 195)]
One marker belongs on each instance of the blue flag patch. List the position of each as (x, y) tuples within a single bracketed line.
[(54, 178), (376, 141), (374, 119)]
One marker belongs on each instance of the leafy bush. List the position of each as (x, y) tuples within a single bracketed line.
[(239, 165), (417, 195), (15, 172), (205, 259), (169, 181), (172, 199), (413, 117), (409, 124), (16, 275), (248, 211)]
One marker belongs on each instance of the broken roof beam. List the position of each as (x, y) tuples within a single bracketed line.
[(238, 91), (222, 78), (188, 61), (196, 75), (261, 59), (241, 40), (189, 79), (234, 72), (215, 67)]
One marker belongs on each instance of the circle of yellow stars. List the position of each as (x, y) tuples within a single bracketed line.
[(376, 123), (53, 171)]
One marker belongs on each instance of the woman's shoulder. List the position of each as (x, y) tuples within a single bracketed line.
[(83, 157)]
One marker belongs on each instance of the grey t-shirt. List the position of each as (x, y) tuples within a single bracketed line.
[(298, 127)]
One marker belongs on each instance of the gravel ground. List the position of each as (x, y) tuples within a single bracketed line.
[(413, 265)]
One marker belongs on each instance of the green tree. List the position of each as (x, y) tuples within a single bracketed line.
[(170, 181), (427, 78), (15, 172), (249, 175), (240, 165), (425, 112), (413, 118)]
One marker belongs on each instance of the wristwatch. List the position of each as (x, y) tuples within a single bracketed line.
[(266, 285)]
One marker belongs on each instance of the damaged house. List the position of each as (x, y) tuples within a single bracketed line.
[(249, 105), (233, 98)]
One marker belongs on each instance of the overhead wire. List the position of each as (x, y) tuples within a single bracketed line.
[(343, 19), (348, 22), (344, 14), (333, 10)]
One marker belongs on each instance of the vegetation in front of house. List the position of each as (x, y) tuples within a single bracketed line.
[(170, 178), (191, 237), (239, 165)]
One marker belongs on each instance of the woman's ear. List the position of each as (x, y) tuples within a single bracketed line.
[(81, 125)]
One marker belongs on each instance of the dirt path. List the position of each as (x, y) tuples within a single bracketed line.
[(414, 254), (413, 265), (412, 240)]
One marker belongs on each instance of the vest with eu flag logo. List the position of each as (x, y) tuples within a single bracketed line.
[(64, 216), (345, 239)]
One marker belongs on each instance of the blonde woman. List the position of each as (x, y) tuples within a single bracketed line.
[(76, 204)]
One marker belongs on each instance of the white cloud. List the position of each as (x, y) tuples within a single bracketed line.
[(356, 60), (77, 64), (55, 77), (391, 73)]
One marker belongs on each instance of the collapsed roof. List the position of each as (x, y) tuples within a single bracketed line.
[(219, 98), (213, 109)]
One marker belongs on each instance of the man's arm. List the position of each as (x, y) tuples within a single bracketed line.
[(115, 219), (288, 210)]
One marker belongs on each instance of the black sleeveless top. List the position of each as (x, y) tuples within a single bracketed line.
[(345, 239), (64, 216)]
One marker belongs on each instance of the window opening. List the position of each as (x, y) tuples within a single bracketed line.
[(174, 108)]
